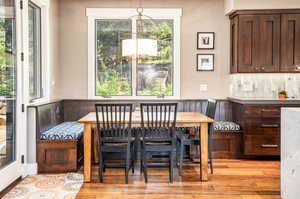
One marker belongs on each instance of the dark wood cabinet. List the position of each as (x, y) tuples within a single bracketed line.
[(290, 43), (265, 41), (234, 45), (258, 43), (261, 127), (262, 145)]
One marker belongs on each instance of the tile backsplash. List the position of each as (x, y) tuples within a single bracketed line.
[(264, 85)]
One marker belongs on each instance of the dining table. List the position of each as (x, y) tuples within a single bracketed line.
[(184, 119)]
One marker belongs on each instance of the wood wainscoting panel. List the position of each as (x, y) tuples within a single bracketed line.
[(76, 109)]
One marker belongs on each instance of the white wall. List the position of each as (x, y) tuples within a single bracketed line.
[(232, 5), (198, 16), (54, 48)]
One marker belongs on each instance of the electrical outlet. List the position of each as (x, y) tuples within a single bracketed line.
[(203, 87)]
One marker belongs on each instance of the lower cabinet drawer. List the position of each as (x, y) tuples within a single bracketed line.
[(262, 145), (262, 127), (261, 111)]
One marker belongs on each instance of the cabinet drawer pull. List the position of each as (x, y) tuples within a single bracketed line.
[(269, 146), (270, 110), (270, 125)]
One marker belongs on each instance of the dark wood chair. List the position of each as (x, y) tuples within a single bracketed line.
[(158, 136), (187, 139), (115, 135)]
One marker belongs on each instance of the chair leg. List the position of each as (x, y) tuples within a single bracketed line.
[(132, 160), (132, 166), (171, 167), (141, 160), (189, 149), (177, 153), (197, 147), (141, 169), (127, 164), (101, 166), (181, 158), (145, 167)]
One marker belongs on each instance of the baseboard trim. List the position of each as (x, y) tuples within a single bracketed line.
[(31, 169), (10, 187)]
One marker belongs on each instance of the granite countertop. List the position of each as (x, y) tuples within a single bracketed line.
[(288, 101)]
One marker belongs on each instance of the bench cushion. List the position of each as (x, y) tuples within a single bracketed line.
[(64, 131), (226, 126)]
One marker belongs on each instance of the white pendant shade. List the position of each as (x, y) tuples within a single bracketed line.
[(140, 47)]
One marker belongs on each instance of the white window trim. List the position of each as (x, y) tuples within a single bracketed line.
[(125, 13), (46, 76)]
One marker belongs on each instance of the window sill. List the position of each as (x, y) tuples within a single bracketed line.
[(38, 101)]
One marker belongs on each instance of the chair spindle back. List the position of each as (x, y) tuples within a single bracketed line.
[(114, 120), (158, 120)]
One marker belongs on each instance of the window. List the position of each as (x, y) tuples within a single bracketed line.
[(34, 52), (113, 75), (113, 72)]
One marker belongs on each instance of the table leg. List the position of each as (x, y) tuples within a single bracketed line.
[(204, 151), (95, 138), (87, 136)]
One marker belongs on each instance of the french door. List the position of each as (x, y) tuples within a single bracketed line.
[(12, 119)]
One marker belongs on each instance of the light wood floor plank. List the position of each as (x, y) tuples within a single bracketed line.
[(233, 179)]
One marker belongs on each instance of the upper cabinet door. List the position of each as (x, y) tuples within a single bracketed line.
[(290, 43), (258, 43), (247, 31), (267, 46), (234, 45)]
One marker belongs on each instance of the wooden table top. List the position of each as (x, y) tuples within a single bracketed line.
[(182, 117)]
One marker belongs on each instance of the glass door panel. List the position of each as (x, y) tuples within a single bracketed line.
[(10, 165), (7, 86)]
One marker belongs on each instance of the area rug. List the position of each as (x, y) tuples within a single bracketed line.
[(61, 186)]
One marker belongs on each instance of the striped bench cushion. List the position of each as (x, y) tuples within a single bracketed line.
[(226, 126), (64, 131)]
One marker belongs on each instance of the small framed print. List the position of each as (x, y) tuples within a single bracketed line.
[(205, 40), (205, 62)]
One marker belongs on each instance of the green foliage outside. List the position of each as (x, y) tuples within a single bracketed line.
[(160, 30), (6, 58), (155, 91), (113, 74), (114, 71), (113, 85)]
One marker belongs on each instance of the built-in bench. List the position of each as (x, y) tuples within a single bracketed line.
[(227, 140), (60, 153), (59, 144)]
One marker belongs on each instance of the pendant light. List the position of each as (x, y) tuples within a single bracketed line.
[(139, 46)]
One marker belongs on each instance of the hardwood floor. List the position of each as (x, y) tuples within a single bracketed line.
[(244, 179)]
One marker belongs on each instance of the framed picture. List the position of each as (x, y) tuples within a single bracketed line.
[(205, 62), (205, 40)]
